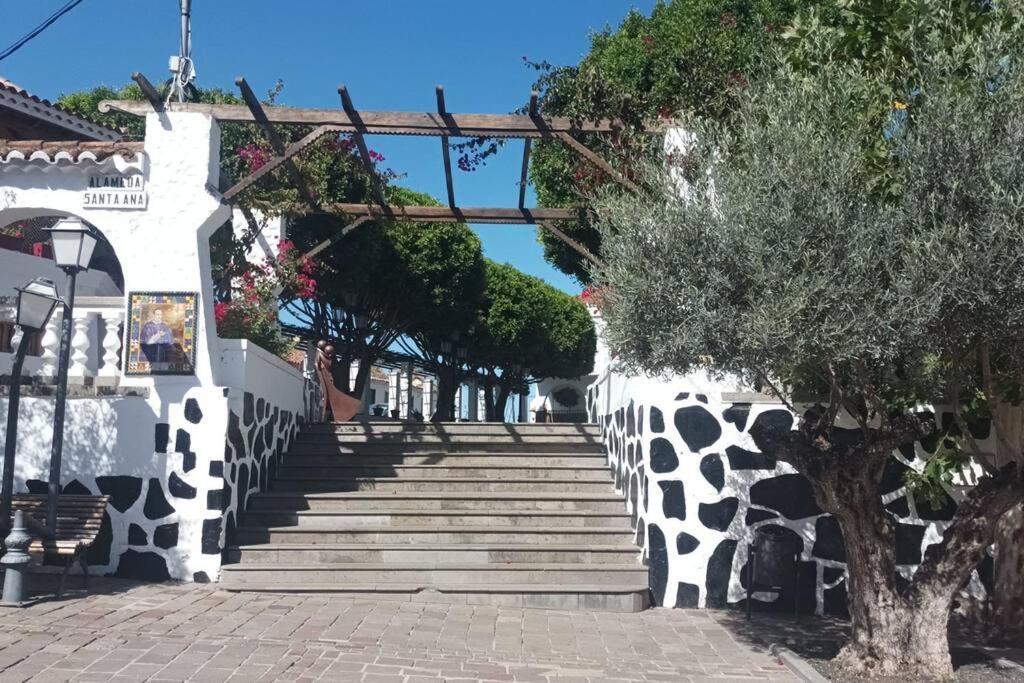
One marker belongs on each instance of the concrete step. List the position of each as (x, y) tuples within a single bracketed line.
[(423, 534), (285, 482), (311, 454), (629, 597), (504, 429), (464, 553), (404, 443), (419, 501), (334, 519), (291, 470), (429, 573)]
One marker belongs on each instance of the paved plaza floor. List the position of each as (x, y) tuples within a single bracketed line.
[(127, 631)]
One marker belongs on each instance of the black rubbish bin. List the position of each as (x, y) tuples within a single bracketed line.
[(774, 562)]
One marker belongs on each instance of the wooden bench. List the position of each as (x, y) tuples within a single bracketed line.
[(78, 523)]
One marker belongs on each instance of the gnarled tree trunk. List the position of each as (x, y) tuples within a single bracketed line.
[(1008, 598)]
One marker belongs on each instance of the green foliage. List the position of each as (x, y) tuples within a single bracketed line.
[(526, 327), (689, 56)]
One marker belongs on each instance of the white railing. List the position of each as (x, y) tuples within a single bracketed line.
[(96, 341)]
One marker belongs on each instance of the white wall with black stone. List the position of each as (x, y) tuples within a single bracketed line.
[(697, 487)]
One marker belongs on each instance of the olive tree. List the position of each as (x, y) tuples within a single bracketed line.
[(773, 254)]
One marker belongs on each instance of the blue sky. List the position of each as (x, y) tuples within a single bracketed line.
[(390, 53)]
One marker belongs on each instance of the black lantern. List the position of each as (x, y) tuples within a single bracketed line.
[(73, 243), (36, 302)]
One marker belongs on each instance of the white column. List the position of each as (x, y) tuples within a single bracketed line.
[(80, 343), (408, 402), (428, 397), (394, 391), (481, 404), (50, 345), (111, 343)]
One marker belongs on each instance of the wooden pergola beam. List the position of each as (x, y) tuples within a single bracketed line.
[(276, 162), (149, 92), (364, 152), (445, 152), (276, 143), (598, 161), (341, 233), (386, 122), (586, 253), (446, 214), (527, 143)]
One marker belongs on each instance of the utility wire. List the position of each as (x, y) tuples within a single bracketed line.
[(49, 21)]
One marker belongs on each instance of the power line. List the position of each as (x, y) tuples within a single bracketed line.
[(49, 21)]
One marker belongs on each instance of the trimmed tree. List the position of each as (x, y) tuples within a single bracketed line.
[(526, 328), (776, 255)]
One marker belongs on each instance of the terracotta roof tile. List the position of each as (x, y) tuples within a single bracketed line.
[(74, 150), (11, 87)]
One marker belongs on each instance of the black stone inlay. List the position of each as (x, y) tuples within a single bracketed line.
[(235, 438), (243, 485), (156, 505), (192, 412), (179, 488), (899, 507), (657, 421), (789, 494), (215, 499), (776, 421), (216, 468), (137, 535), (76, 488), (200, 577), (737, 414), (123, 490), (663, 456), (657, 563), (144, 566), (634, 494), (701, 397), (188, 462), (892, 476), (698, 427), (182, 441), (99, 551), (685, 543), (742, 459), (828, 540), (687, 595), (754, 516), (166, 536), (640, 535), (719, 571), (713, 470), (925, 510), (908, 543), (630, 420), (673, 499), (162, 435), (682, 396), (248, 409), (211, 536), (718, 515)]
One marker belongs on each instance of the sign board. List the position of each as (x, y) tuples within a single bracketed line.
[(115, 191)]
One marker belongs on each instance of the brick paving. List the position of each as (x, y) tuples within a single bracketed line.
[(126, 631)]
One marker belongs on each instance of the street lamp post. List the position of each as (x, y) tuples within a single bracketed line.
[(36, 302), (73, 243)]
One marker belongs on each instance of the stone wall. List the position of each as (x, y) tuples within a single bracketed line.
[(697, 487)]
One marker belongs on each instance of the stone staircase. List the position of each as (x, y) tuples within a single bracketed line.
[(478, 513)]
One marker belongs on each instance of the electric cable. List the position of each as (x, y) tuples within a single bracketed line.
[(49, 21)]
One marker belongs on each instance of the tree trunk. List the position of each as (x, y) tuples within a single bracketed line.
[(363, 374), (445, 398), (1008, 597), (879, 618), (489, 399), (504, 391)]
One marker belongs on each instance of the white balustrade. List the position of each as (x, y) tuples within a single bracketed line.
[(16, 338), (111, 342), (50, 345), (80, 345)]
